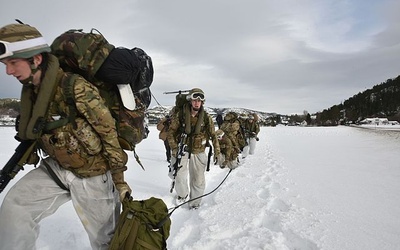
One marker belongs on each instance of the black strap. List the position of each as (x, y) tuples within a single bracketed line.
[(209, 158), (54, 176)]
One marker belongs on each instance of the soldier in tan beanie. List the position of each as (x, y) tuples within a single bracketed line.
[(83, 154)]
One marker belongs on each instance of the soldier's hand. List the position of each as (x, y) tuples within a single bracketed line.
[(215, 159), (121, 186), (124, 190)]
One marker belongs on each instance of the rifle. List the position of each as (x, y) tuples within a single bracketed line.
[(176, 92), (16, 162), (179, 154), (250, 134), (210, 153)]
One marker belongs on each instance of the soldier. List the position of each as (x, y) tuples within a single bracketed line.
[(232, 128), (252, 128), (163, 127), (219, 119), (229, 154), (84, 163), (196, 127)]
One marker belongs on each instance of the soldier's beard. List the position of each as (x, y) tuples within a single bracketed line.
[(195, 109)]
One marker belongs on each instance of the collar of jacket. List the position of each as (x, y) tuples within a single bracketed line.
[(33, 113), (200, 120)]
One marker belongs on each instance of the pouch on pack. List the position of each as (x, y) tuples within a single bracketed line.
[(142, 225)]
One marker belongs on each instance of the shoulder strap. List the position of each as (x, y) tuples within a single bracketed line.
[(54, 176), (67, 84)]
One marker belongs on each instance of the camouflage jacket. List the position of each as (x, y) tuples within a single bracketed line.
[(196, 141), (163, 126), (251, 129), (226, 146), (231, 130), (87, 146)]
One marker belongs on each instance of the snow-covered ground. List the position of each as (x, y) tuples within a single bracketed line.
[(305, 188)]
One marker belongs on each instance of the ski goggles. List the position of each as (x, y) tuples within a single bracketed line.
[(197, 96), (5, 50), (8, 49)]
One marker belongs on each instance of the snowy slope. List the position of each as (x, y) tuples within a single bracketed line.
[(305, 188)]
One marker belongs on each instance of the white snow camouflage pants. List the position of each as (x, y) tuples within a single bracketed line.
[(36, 196), (250, 147), (194, 169)]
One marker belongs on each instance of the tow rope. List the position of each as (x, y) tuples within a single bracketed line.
[(201, 196)]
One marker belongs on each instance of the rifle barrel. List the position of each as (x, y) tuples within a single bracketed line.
[(176, 92)]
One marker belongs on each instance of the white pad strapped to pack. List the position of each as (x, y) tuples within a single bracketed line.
[(127, 97)]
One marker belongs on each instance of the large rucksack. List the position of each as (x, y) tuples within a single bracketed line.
[(110, 69), (142, 225)]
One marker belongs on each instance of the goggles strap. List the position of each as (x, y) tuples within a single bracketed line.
[(25, 44)]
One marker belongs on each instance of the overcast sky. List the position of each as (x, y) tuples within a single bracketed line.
[(282, 56)]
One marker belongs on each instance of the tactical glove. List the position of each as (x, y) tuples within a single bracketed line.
[(174, 152), (122, 187), (215, 160), (124, 190)]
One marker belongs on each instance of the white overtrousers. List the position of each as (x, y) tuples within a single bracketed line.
[(250, 147), (36, 196), (190, 179)]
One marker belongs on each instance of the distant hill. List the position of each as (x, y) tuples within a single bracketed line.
[(9, 109), (382, 100), (156, 113)]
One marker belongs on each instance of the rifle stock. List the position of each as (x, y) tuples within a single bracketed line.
[(16, 162)]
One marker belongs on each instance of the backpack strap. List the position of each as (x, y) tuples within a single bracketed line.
[(67, 84), (54, 176)]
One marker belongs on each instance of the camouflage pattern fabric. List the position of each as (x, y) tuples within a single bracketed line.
[(226, 147), (251, 128), (92, 147), (88, 55), (196, 142), (84, 54)]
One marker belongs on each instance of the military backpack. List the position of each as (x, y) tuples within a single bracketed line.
[(110, 69), (142, 225)]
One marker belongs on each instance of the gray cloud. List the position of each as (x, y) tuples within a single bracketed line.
[(282, 56)]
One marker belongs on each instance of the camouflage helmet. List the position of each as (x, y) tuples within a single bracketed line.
[(255, 116), (230, 116), (196, 93), (219, 133), (21, 41)]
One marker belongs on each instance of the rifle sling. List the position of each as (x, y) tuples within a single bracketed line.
[(54, 176)]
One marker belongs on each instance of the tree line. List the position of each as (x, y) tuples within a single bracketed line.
[(383, 101)]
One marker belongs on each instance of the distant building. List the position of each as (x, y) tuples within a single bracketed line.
[(7, 120), (378, 121)]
